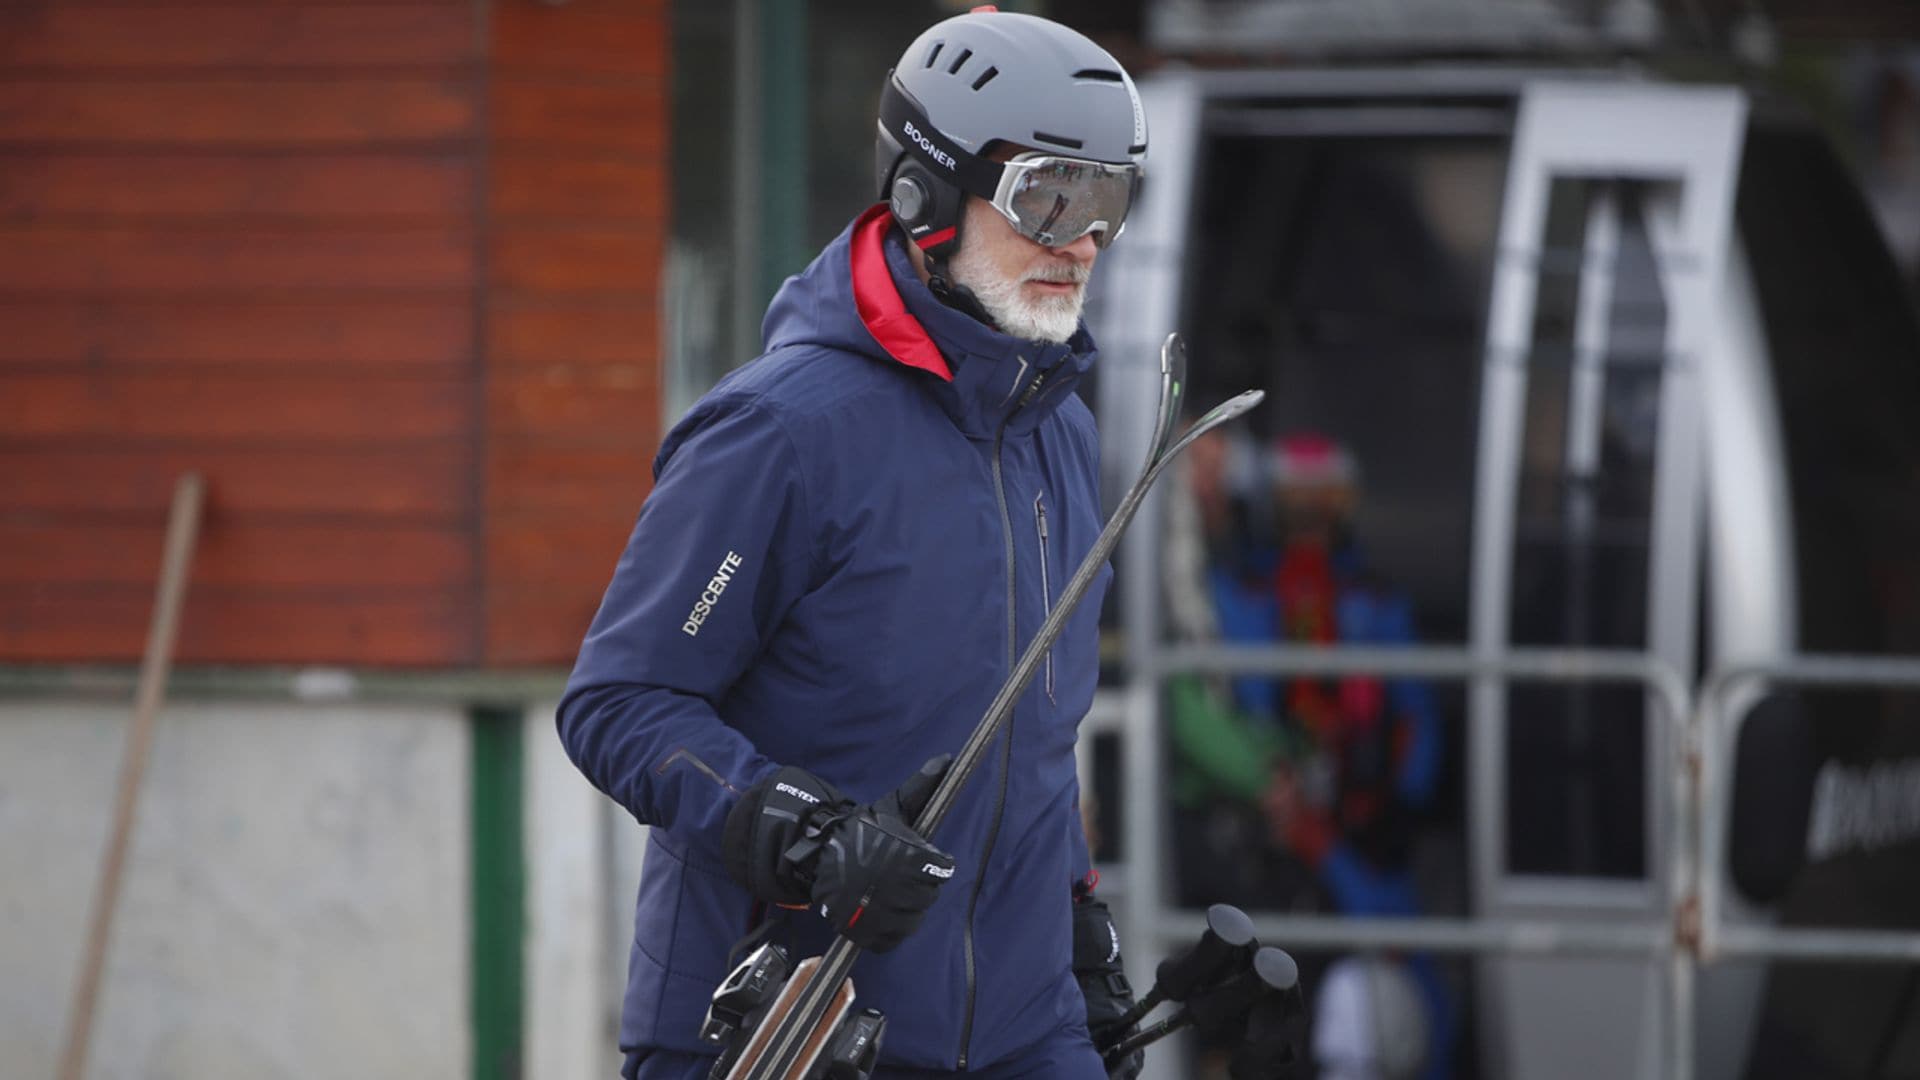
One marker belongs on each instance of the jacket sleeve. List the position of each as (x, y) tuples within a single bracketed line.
[(1079, 853), (721, 550)]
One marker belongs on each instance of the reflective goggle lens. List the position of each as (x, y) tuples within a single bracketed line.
[(1054, 200)]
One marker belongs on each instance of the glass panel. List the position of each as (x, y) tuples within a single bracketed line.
[(1348, 278), (698, 287), (1576, 765), (829, 177), (855, 43), (1843, 338)]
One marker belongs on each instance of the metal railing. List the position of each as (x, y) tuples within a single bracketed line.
[(1154, 921), (1702, 728), (1719, 724)]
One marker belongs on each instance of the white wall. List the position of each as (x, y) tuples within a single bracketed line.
[(583, 866), (295, 903)]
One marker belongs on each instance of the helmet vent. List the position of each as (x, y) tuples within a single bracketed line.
[(1058, 140), (934, 53), (1100, 74), (960, 61), (985, 77)]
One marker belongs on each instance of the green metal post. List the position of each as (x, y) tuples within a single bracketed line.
[(784, 127), (498, 894)]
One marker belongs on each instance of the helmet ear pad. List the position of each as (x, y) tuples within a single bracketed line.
[(928, 206)]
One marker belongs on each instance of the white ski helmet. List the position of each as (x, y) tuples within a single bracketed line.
[(986, 79)]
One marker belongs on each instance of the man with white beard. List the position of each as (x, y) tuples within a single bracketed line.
[(1026, 290), (848, 543)]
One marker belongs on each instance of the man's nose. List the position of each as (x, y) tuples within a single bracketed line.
[(1080, 251)]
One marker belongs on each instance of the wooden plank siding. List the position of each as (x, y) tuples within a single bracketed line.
[(241, 238), (114, 479), (384, 272), (66, 38), (134, 259), (577, 224), (362, 189), (60, 622), (423, 334), (171, 112)]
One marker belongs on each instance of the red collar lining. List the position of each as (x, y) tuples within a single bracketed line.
[(878, 299)]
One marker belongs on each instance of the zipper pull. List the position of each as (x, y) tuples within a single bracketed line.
[(1033, 388), (1040, 509)]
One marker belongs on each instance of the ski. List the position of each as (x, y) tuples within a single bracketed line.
[(802, 1023)]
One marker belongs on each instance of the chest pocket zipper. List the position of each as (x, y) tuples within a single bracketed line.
[(1046, 584)]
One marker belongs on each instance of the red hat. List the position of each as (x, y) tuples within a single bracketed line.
[(1310, 459)]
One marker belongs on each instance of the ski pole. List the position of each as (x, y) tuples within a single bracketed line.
[(1217, 1010)]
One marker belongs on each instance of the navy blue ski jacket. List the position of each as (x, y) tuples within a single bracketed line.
[(848, 542)]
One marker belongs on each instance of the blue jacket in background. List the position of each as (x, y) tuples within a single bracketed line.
[(848, 541)]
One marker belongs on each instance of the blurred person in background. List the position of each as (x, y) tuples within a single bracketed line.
[(1304, 793), (849, 541), (1371, 1021)]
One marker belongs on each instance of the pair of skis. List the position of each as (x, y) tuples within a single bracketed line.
[(797, 1027)]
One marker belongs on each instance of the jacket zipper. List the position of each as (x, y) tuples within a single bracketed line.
[(1046, 587), (1006, 750)]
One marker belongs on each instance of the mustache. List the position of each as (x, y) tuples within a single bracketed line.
[(1069, 273)]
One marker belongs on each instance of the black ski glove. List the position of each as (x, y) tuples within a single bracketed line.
[(874, 877), (793, 838), (1103, 982), (764, 827)]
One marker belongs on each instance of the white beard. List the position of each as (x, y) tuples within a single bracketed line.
[(1049, 318)]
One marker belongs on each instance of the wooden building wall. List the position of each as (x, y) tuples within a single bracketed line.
[(577, 220), (384, 273)]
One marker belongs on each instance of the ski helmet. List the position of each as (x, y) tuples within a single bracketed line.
[(990, 77)]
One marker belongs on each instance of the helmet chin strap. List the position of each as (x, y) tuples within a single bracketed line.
[(959, 298)]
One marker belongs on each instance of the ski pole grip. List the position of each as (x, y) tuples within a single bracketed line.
[(1218, 1011), (1226, 946)]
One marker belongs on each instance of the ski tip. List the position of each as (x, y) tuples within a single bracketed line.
[(1230, 409), (1173, 353), (1240, 403)]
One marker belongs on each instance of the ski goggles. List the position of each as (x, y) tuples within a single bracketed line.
[(1054, 200)]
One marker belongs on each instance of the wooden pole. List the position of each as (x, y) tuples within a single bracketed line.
[(183, 526)]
